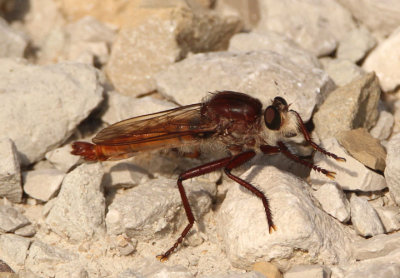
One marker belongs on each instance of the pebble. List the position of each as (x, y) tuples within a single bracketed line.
[(42, 184)]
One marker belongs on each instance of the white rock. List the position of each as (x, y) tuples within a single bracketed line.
[(13, 250), (386, 14), (252, 274), (46, 261), (300, 224), (333, 201), (308, 271), (150, 209), (384, 126), (79, 209), (41, 106), (62, 158), (10, 173), (385, 62), (153, 268), (123, 174), (375, 247), (256, 41), (11, 219), (26, 231), (390, 217), (355, 45), (12, 43), (121, 107), (365, 219), (315, 25), (342, 72), (42, 184), (392, 170), (262, 74), (350, 175), (247, 11)]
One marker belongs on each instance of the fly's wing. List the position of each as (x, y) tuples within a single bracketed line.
[(168, 128)]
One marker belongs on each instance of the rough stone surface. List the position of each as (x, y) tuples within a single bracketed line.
[(390, 217), (78, 212), (123, 174), (355, 45), (247, 11), (300, 224), (350, 175), (10, 173), (384, 126), (256, 41), (349, 107), (41, 106), (13, 250), (121, 107), (308, 271), (342, 72), (62, 158), (386, 14), (392, 170), (363, 147), (365, 219), (375, 247), (315, 25), (149, 208), (42, 184), (333, 201), (262, 74), (385, 62), (11, 219), (12, 43), (143, 50), (267, 269)]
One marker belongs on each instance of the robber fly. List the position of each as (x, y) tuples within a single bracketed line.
[(234, 119)]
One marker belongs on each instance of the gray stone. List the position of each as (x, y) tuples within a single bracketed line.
[(392, 171), (363, 147), (355, 45), (148, 47), (261, 74), (315, 25), (13, 250), (10, 173), (79, 210), (42, 105), (333, 201), (384, 126), (349, 107), (257, 41), (43, 184), (350, 175), (365, 219), (342, 72), (11, 219), (301, 225)]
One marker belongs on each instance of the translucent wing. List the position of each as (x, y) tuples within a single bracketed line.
[(170, 127)]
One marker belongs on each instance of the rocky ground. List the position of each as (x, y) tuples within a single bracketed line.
[(69, 68)]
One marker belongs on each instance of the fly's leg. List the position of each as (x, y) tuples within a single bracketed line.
[(194, 172), (236, 162), (307, 137), (283, 149)]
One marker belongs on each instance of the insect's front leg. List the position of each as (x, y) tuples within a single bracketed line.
[(194, 172), (238, 160), (314, 145)]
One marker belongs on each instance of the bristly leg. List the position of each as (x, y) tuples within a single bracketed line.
[(315, 146)]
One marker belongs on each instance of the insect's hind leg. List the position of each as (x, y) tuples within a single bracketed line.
[(194, 172), (236, 162)]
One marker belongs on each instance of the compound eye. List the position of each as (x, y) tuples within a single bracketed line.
[(272, 118), (280, 100)]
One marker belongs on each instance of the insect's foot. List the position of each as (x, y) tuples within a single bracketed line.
[(272, 228), (340, 159), (330, 175), (162, 258)]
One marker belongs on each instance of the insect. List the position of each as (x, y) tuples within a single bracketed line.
[(235, 120)]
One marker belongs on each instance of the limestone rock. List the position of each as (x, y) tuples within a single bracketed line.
[(10, 173)]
